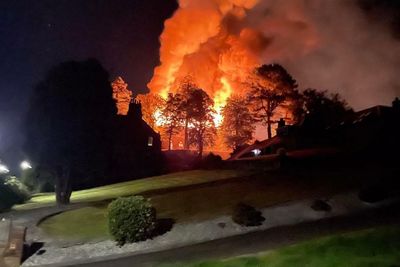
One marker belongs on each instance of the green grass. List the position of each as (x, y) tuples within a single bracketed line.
[(379, 247), (201, 202), (83, 225), (195, 203), (135, 187)]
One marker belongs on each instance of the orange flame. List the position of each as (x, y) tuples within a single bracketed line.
[(198, 41), (219, 42)]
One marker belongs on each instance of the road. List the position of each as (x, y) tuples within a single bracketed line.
[(256, 241)]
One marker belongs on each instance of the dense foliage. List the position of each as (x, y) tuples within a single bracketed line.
[(321, 109), (172, 116), (68, 124), (131, 219), (192, 110), (38, 180), (12, 191), (271, 87), (238, 124), (246, 215)]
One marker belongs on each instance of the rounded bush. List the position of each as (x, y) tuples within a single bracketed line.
[(131, 219), (246, 215), (321, 205), (12, 192), (374, 193)]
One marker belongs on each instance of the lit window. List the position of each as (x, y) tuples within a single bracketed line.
[(150, 141)]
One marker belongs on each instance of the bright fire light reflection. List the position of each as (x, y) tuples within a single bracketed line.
[(220, 99)]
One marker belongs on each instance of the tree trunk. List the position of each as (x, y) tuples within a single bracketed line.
[(201, 145), (63, 186), (186, 141), (170, 140), (269, 130)]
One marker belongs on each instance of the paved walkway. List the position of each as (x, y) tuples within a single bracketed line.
[(30, 218)]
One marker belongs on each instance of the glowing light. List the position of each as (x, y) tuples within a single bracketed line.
[(25, 165), (4, 169), (256, 152), (159, 118), (220, 100)]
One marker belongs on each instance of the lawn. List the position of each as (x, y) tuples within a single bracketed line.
[(367, 248), (196, 203), (81, 225), (173, 180)]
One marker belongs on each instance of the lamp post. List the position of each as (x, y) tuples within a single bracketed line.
[(25, 165), (3, 169)]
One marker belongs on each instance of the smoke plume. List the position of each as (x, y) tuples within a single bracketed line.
[(324, 44)]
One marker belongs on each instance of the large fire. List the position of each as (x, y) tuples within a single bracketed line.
[(199, 40), (220, 42)]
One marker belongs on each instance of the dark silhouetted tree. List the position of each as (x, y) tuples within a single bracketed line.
[(271, 86), (238, 123), (201, 121), (185, 88), (69, 124), (321, 109), (172, 116)]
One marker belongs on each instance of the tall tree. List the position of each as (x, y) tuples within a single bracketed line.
[(122, 95), (69, 124), (238, 123), (271, 86), (151, 108), (172, 116), (186, 86), (202, 128), (321, 109)]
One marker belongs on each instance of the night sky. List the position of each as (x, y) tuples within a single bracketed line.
[(37, 34), (121, 34)]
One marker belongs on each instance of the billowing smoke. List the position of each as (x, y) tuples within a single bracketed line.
[(356, 57), (324, 44)]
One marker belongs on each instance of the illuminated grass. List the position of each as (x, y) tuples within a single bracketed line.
[(83, 224), (368, 248), (196, 203), (135, 187)]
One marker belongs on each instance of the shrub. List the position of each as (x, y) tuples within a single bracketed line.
[(131, 219), (211, 161), (246, 215), (12, 191), (321, 205), (38, 180), (374, 193)]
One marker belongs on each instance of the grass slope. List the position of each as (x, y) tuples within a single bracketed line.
[(135, 187), (201, 202), (83, 225), (368, 248)]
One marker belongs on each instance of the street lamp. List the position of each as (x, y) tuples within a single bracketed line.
[(25, 165), (4, 169)]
